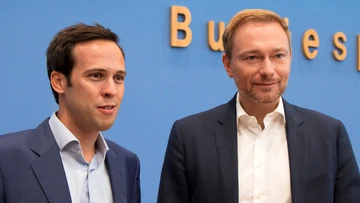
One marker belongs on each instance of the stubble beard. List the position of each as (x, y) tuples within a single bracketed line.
[(265, 97)]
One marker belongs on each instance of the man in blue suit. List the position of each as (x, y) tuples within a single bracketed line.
[(258, 147), (66, 159)]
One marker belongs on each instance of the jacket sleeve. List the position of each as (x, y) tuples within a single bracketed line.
[(137, 190), (2, 200), (173, 186), (347, 187)]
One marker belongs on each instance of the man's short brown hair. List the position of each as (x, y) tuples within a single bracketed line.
[(250, 15)]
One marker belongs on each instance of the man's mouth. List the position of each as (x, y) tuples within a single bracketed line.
[(107, 107), (265, 83)]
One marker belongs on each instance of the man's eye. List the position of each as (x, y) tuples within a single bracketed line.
[(279, 56), (251, 58), (119, 78), (95, 75)]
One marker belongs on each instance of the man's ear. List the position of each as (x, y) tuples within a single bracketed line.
[(226, 62), (58, 82)]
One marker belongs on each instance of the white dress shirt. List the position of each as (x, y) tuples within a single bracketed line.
[(263, 162), (88, 182)]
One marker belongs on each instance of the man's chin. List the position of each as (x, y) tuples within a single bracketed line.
[(105, 126), (265, 99)]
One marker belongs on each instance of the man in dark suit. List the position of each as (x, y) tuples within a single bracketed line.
[(66, 159), (258, 147)]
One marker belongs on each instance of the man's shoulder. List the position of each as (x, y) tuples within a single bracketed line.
[(313, 115), (16, 139), (122, 155), (120, 150), (21, 138), (15, 146), (204, 121), (208, 115)]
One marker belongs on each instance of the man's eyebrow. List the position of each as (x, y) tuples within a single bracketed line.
[(247, 52), (123, 72)]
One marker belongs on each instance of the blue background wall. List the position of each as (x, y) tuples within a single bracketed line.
[(164, 83)]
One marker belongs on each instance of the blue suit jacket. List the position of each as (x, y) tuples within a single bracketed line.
[(201, 163), (31, 169)]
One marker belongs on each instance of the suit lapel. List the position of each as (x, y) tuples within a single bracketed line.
[(297, 147), (48, 168), (117, 178), (226, 147)]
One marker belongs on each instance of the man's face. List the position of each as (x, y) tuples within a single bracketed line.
[(260, 61), (93, 100)]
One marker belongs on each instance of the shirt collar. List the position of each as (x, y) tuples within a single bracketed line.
[(63, 136)]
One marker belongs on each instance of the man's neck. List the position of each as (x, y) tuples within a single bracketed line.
[(86, 138), (88, 147), (259, 110)]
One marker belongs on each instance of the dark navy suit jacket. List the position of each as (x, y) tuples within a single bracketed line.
[(31, 169), (200, 162)]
